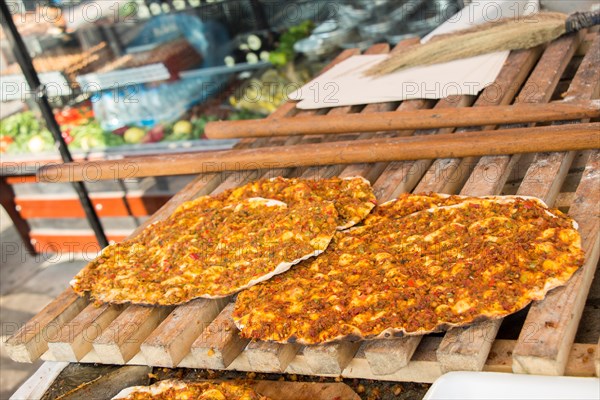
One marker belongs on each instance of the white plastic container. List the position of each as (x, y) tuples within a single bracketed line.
[(495, 385)]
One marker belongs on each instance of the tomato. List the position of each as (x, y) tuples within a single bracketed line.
[(74, 116), (5, 141)]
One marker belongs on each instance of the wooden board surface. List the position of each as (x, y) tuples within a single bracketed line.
[(201, 334)]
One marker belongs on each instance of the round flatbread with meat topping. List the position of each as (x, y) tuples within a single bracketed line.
[(175, 390), (446, 266), (208, 249)]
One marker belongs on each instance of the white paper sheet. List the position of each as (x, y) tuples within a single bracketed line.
[(345, 84)]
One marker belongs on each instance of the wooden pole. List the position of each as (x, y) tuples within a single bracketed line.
[(409, 120), (469, 144)]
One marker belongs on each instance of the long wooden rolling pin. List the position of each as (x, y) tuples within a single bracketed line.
[(505, 141), (399, 120)]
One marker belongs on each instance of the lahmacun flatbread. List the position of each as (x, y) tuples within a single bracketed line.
[(481, 258), (178, 390), (353, 197), (208, 249)]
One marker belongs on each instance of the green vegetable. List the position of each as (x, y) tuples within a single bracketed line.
[(23, 128), (284, 52), (91, 136)]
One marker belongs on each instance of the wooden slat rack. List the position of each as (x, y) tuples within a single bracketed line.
[(200, 334)]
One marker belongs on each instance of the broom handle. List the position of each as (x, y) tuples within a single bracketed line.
[(505, 141), (580, 20)]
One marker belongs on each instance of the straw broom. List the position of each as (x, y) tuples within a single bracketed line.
[(504, 34)]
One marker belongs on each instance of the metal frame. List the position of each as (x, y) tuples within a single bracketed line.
[(22, 56)]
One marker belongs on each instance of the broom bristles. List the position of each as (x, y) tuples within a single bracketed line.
[(505, 34)]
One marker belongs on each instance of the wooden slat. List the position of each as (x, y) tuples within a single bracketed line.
[(388, 356), (31, 340), (551, 66), (263, 357), (497, 142), (423, 366), (172, 340), (122, 339), (330, 358), (579, 363), (408, 120), (219, 344), (556, 317), (586, 82), (76, 336)]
